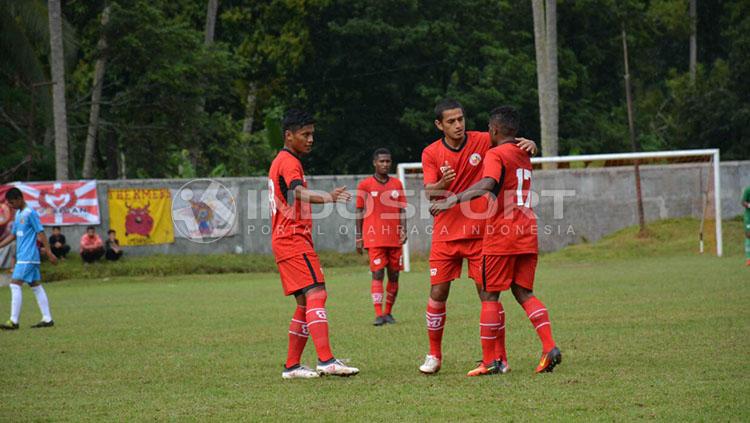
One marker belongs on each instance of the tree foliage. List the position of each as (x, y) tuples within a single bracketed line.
[(371, 71)]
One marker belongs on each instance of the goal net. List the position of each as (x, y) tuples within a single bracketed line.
[(599, 195)]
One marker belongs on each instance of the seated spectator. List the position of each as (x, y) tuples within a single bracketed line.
[(57, 243), (112, 246), (92, 248)]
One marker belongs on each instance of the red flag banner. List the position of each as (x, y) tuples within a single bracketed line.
[(63, 203), (6, 213)]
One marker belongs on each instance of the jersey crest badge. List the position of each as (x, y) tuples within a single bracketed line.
[(475, 159), (394, 194)]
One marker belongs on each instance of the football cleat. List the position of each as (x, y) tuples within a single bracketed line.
[(299, 372), (505, 367), (431, 365), (9, 325), (493, 368), (389, 319), (44, 324), (549, 360), (379, 321), (335, 367)]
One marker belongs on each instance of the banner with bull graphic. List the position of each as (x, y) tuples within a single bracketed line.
[(141, 216), (62, 203)]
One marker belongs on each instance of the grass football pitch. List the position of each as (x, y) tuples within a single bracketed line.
[(662, 337)]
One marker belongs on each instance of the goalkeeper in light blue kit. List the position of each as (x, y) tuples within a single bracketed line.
[(746, 205), (26, 230)]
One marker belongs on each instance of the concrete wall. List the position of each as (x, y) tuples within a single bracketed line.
[(595, 202)]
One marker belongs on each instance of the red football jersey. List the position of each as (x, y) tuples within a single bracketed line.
[(511, 225), (465, 221), (291, 219), (382, 202)]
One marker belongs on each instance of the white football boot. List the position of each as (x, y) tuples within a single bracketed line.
[(336, 368), (299, 372), (431, 365)]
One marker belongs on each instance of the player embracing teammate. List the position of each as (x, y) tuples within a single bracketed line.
[(450, 165), (510, 246), (292, 244)]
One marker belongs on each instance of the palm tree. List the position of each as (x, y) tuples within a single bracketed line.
[(24, 40), (545, 43), (57, 66), (96, 97)]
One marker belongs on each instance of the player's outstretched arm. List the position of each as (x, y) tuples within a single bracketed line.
[(7, 240), (41, 237), (483, 186), (318, 197)]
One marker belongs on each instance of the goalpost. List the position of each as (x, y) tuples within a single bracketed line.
[(712, 154)]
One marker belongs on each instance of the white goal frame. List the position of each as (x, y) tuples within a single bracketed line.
[(713, 152)]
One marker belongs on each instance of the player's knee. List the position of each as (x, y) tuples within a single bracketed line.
[(378, 275), (440, 292), (489, 296), (520, 293), (393, 275)]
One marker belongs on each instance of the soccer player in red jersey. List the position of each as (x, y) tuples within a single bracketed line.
[(292, 244), (510, 246), (452, 164), (381, 229)]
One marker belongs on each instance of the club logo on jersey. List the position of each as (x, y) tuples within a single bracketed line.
[(433, 272), (475, 159), (394, 194), (377, 261), (374, 193)]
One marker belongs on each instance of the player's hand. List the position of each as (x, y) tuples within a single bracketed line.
[(52, 258), (438, 207), (340, 194), (402, 237), (449, 175), (528, 146), (359, 246)]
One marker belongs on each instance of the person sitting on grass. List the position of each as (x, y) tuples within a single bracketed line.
[(112, 246), (57, 243), (92, 248)]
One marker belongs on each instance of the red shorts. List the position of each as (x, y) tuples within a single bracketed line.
[(382, 257), (498, 272), (299, 272), (447, 257)]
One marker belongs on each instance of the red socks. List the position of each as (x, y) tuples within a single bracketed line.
[(317, 323), (539, 317), (435, 323), (376, 290), (297, 337), (489, 321), (390, 298), (500, 346)]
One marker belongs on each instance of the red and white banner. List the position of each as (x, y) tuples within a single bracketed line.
[(63, 203)]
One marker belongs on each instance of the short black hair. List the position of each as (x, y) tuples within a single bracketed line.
[(380, 151), (507, 118), (55, 227), (446, 104), (295, 119), (13, 194), (111, 231), (90, 227)]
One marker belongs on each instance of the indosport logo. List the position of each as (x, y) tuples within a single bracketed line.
[(204, 211)]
